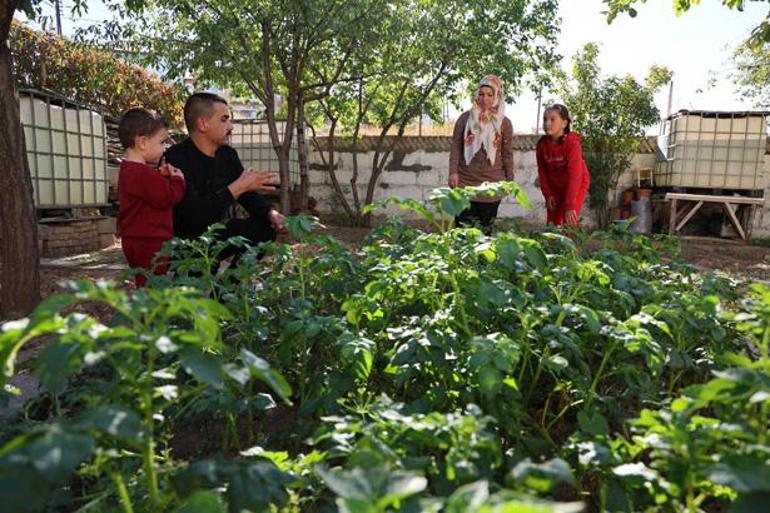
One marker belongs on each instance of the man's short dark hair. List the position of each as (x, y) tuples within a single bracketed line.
[(200, 105), (139, 122)]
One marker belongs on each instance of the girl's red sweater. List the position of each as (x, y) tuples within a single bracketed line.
[(562, 170)]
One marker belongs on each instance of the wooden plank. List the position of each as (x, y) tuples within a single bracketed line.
[(734, 219), (672, 217), (749, 220), (742, 212), (742, 200), (689, 215), (681, 213)]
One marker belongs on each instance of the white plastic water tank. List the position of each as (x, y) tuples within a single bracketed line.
[(66, 149), (711, 149)]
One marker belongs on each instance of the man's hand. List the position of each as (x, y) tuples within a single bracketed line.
[(454, 180), (276, 219), (571, 217), (252, 180), (550, 203)]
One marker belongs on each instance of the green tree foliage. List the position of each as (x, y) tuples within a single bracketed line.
[(260, 48), (431, 51), (753, 73), (611, 113), (382, 61)]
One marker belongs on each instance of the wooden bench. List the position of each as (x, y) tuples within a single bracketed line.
[(729, 203)]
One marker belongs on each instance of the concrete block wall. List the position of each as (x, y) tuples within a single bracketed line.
[(419, 171), (65, 237)]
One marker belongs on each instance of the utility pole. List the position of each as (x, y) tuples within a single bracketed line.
[(57, 5), (539, 105), (419, 127)]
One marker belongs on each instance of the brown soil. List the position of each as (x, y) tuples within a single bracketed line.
[(741, 260)]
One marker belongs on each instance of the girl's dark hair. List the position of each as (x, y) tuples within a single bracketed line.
[(136, 122), (563, 114)]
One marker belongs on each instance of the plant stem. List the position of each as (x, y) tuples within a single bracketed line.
[(301, 266), (598, 375), (461, 304), (561, 414), (675, 377), (602, 496), (148, 451), (545, 410), (456, 286), (149, 469), (250, 415), (120, 485), (545, 434), (691, 507), (233, 430), (538, 371)]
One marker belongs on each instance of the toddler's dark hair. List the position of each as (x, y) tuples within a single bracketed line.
[(137, 122)]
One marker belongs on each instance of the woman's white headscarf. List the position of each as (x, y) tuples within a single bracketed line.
[(484, 128)]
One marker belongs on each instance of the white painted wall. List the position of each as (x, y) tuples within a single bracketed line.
[(418, 184)]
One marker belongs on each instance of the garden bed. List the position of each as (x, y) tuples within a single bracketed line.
[(411, 371)]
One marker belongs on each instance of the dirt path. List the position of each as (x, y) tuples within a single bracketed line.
[(742, 260)]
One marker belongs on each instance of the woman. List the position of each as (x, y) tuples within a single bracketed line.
[(482, 151)]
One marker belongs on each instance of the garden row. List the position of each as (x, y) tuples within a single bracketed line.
[(441, 371)]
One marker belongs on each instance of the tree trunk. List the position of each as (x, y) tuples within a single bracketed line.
[(283, 156), (354, 183), (280, 147), (304, 177), (20, 278), (332, 166), (602, 216), (284, 171), (284, 167)]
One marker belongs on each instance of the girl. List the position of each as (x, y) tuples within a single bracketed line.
[(482, 150), (563, 173)]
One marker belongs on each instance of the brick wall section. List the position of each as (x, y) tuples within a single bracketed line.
[(65, 237)]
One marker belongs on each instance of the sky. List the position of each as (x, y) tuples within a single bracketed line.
[(691, 45), (694, 46)]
